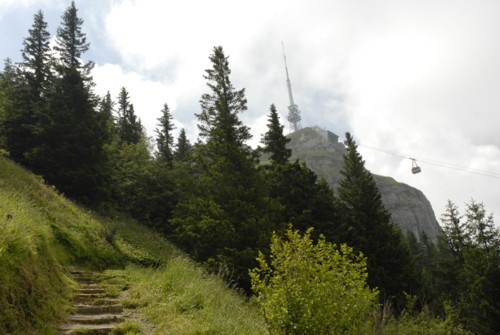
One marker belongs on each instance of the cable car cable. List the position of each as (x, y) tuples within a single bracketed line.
[(436, 162)]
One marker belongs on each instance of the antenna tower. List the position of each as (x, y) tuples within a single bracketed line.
[(293, 110)]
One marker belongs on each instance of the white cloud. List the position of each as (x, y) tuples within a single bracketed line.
[(418, 79)]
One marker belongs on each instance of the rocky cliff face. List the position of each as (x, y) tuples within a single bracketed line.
[(322, 153)]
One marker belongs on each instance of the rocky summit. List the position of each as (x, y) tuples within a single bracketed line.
[(324, 154)]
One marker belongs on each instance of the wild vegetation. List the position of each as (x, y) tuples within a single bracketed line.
[(44, 235), (218, 203)]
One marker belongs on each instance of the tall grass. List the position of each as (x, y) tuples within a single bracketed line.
[(43, 235)]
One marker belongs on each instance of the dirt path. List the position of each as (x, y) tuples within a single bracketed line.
[(96, 309)]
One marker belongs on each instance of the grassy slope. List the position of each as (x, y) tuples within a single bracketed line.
[(42, 235)]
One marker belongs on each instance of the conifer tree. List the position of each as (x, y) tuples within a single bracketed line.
[(274, 141), (219, 122), (29, 94), (474, 241), (15, 135), (106, 109), (367, 226), (128, 125), (165, 138), (70, 152), (71, 43), (37, 58), (223, 219), (454, 229), (305, 201), (183, 146)]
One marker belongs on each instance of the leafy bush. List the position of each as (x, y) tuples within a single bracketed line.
[(312, 289), (415, 322)]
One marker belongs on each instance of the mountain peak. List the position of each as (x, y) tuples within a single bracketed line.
[(324, 154)]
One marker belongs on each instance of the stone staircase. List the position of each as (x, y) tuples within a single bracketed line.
[(95, 311)]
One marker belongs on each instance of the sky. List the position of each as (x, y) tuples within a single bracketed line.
[(416, 79)]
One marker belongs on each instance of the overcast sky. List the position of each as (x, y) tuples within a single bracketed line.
[(407, 78)]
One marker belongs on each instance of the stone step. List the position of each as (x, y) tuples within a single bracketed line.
[(90, 290), (98, 309), (90, 329), (88, 296), (90, 280), (95, 319), (101, 301)]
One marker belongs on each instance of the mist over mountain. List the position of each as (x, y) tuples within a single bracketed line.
[(324, 154)]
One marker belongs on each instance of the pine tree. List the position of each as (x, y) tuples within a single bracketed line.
[(70, 153), (223, 219), (182, 147), (37, 58), (71, 43), (219, 121), (128, 125), (481, 228), (29, 94), (367, 226), (165, 139), (106, 109), (455, 231), (475, 244), (274, 141), (15, 135), (305, 201)]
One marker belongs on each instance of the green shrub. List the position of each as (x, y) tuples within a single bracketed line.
[(312, 289), (417, 322)]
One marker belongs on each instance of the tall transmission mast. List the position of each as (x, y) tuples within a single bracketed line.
[(293, 110)]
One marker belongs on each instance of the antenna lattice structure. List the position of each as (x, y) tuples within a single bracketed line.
[(293, 110)]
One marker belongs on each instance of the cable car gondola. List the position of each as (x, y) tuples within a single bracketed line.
[(414, 166)]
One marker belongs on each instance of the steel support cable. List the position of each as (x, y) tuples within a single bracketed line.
[(436, 162)]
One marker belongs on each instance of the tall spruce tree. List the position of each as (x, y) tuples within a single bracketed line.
[(128, 125), (37, 58), (474, 241), (14, 122), (274, 141), (106, 109), (70, 152), (165, 138), (182, 147), (29, 94), (223, 220), (367, 226), (305, 201), (457, 235), (71, 43)]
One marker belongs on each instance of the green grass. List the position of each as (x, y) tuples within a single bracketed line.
[(43, 235)]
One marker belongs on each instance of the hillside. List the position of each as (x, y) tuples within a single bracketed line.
[(44, 237), (323, 154)]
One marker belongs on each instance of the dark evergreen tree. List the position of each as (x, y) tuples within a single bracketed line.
[(305, 201), (30, 92), (106, 109), (70, 151), (475, 244), (457, 235), (367, 226), (165, 138), (14, 123), (224, 219), (274, 141), (219, 122), (128, 125), (71, 43), (182, 147), (37, 61), (480, 227)]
